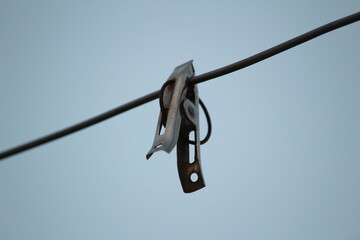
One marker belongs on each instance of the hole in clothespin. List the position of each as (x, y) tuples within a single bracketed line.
[(192, 136), (194, 177), (192, 148), (158, 146), (162, 130)]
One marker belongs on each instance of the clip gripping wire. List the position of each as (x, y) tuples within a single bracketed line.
[(195, 80), (206, 112)]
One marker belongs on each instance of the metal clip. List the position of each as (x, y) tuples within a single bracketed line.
[(179, 116)]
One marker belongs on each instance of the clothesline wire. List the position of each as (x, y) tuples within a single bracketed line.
[(197, 79)]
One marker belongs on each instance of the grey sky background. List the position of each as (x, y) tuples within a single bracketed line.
[(284, 158)]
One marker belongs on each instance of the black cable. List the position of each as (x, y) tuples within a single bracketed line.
[(81, 125), (208, 119), (278, 48), (198, 79)]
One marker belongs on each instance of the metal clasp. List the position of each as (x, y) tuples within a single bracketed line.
[(179, 116)]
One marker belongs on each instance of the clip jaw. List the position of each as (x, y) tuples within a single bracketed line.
[(170, 117), (190, 173), (179, 116)]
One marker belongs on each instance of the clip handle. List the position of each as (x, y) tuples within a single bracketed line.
[(189, 167), (168, 126)]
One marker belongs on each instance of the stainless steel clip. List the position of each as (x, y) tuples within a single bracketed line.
[(178, 118)]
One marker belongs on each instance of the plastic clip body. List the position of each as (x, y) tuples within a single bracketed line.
[(178, 118)]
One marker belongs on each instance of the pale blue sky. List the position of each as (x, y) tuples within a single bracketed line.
[(284, 158)]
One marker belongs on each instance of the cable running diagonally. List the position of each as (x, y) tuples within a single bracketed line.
[(197, 79)]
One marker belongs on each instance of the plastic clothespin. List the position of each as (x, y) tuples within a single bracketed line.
[(178, 118)]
